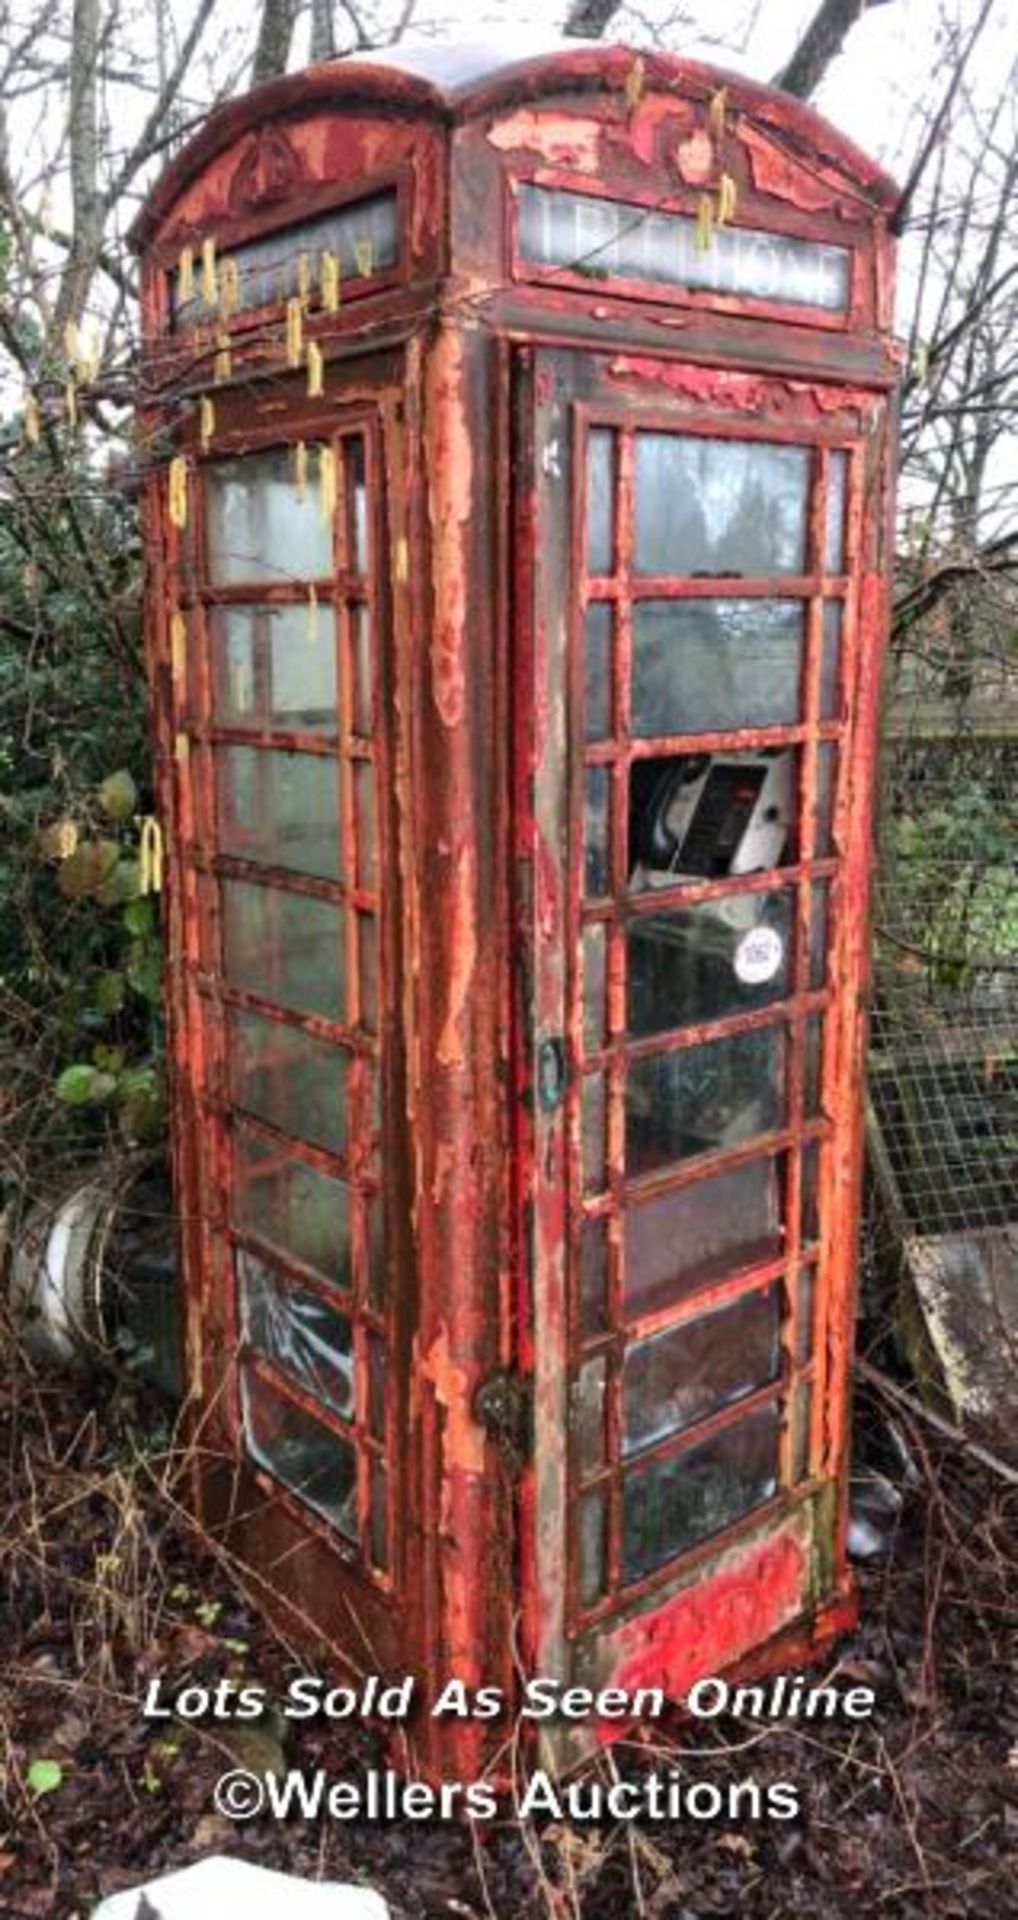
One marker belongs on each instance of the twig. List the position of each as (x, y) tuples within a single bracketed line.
[(946, 1428)]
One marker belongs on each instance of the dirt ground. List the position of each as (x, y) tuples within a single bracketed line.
[(104, 1584)]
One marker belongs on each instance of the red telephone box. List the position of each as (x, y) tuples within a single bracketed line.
[(518, 553)]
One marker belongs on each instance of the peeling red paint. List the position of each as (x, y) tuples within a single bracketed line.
[(450, 504), (450, 1051), (563, 139), (709, 1626), (695, 159), (776, 172), (475, 376), (462, 1438)]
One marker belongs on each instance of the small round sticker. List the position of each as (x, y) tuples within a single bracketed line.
[(758, 956)]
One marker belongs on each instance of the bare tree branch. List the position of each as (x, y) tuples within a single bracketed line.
[(323, 34), (274, 36), (820, 44), (939, 120), (587, 19)]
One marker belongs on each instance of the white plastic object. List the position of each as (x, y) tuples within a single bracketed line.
[(220, 1886)]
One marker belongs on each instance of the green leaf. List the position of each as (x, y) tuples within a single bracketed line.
[(118, 795), (87, 868), (45, 1776), (139, 918), (122, 883), (74, 1085), (107, 1059), (110, 992)]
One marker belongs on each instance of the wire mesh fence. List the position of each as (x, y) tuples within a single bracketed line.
[(943, 1072)]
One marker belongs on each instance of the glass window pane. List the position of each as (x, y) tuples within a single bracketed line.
[(279, 809), (801, 1418), (598, 685), (837, 476), (378, 1375), (289, 1078), (670, 1505), (830, 669), (813, 1088), (711, 666), (701, 816), (366, 821), (274, 667), (596, 825), (363, 670), (595, 941), (379, 1517), (692, 1371), (818, 955), (600, 500), (286, 947), (367, 960), (592, 1543), (823, 833), (363, 238), (719, 506), (593, 1122), (292, 1206), (307, 1457), (811, 1193), (705, 962), (356, 502), (681, 1241), (804, 1328), (259, 525), (587, 1416), (598, 238), (593, 1277), (702, 1098), (299, 1332)]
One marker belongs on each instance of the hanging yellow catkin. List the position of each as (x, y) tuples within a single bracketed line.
[(71, 403), (716, 110), (150, 856), (327, 494), (71, 342), (316, 371), (176, 500), (31, 417), (294, 333), (312, 614), (229, 288), (636, 83), (300, 468), (209, 274), (704, 223), (304, 277), (728, 199), (185, 274), (364, 254), (222, 366), (332, 285), (206, 422)]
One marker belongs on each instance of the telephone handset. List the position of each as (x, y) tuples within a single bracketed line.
[(704, 816)]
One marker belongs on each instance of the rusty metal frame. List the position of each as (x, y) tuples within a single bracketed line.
[(450, 367), (805, 1459), (855, 314)]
